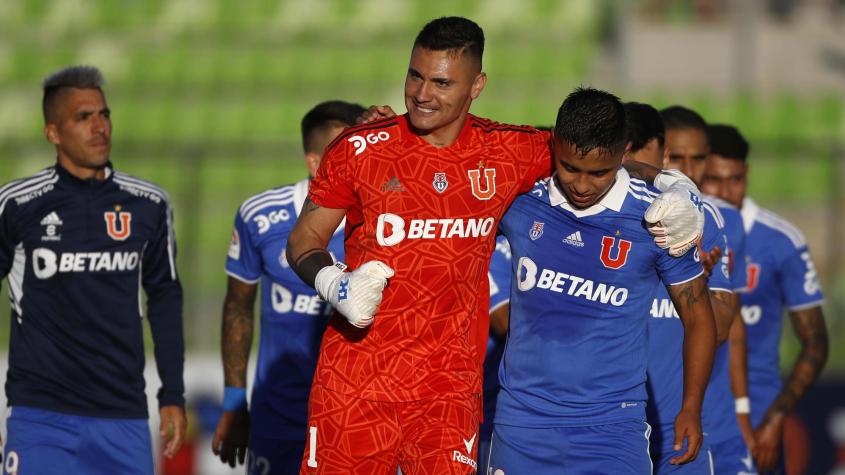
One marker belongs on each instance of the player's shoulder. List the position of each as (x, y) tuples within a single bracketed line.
[(274, 199), (779, 226), (359, 137), (141, 188), (490, 130), (28, 188), (639, 195), (713, 212)]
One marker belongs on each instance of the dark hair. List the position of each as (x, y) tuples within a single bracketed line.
[(725, 140), (325, 115), (680, 117), (78, 77), (643, 124), (452, 33), (592, 119)]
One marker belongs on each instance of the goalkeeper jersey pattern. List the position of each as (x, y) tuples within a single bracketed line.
[(584, 281), (430, 214), (77, 254), (781, 276), (293, 316)]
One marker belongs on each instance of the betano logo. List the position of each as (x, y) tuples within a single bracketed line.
[(360, 143), (45, 262), (391, 229), (530, 276)]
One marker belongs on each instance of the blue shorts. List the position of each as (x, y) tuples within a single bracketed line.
[(702, 465), (483, 455), (620, 448), (46, 443), (268, 456), (732, 457)]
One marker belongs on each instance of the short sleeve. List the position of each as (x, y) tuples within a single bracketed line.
[(333, 186), (715, 237), (7, 241), (243, 261), (679, 270), (799, 280), (736, 245), (539, 165), (500, 274)]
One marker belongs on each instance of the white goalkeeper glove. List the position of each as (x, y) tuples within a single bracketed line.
[(357, 294), (676, 216)]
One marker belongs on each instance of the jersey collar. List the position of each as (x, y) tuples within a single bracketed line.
[(612, 200), (749, 212), (69, 178)]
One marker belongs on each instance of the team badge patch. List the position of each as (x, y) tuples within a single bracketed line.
[(118, 223), (536, 231), (440, 182), (607, 245), (235, 245), (486, 191)]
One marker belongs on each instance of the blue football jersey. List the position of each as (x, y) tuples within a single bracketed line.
[(781, 275), (666, 340), (500, 294), (584, 282), (293, 317), (719, 408)]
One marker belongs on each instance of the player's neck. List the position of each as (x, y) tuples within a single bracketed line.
[(82, 172), (443, 136)]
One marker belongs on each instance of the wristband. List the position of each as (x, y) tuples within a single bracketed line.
[(743, 405), (234, 399)]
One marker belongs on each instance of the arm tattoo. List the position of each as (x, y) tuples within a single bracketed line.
[(690, 293), (308, 207), (810, 328), (236, 338)]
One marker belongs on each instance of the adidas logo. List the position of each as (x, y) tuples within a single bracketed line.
[(392, 184), (51, 219), (574, 239)]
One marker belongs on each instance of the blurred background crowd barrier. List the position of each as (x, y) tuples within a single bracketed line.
[(207, 95)]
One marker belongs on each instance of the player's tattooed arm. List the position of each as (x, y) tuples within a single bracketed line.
[(643, 171), (692, 302), (306, 248), (236, 337), (811, 331), (810, 328)]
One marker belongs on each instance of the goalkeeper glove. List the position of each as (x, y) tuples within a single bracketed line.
[(357, 294), (676, 216)]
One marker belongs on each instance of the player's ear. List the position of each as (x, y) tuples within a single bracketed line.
[(478, 85), (52, 134), (312, 162)]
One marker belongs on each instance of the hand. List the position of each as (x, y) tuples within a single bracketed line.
[(744, 421), (687, 426), (232, 437), (357, 294), (709, 259), (676, 218), (767, 441), (172, 428), (375, 113)]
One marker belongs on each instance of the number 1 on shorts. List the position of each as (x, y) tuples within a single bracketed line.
[(312, 447)]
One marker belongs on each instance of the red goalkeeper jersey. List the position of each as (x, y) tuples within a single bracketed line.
[(431, 214)]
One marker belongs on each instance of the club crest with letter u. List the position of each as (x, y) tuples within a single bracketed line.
[(440, 182), (118, 224), (536, 231)]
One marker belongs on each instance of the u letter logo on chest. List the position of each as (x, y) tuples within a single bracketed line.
[(118, 224)]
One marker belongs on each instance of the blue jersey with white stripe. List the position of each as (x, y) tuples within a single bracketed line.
[(78, 254), (781, 276), (719, 408), (500, 294), (584, 282), (293, 317), (666, 339)]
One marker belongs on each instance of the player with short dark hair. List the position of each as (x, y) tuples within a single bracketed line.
[(79, 242), (271, 433), (574, 370), (645, 134), (781, 276), (687, 149), (422, 193)]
